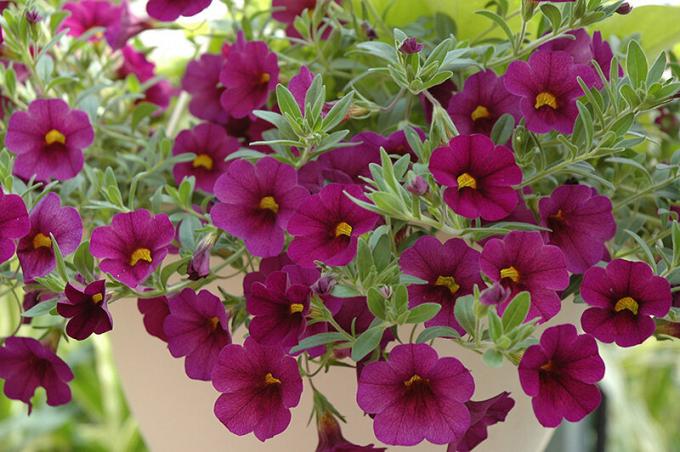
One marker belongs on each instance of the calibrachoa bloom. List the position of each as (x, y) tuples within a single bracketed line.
[(14, 223), (257, 202), (48, 219), (133, 246), (479, 177), (154, 310), (26, 364), (87, 310), (348, 165), (580, 221), (451, 270), (88, 14), (395, 143), (331, 439), (416, 395), (212, 145), (623, 298), (521, 261), (483, 414), (328, 227), (48, 140), (483, 100), (259, 386), (560, 374), (124, 27), (202, 80), (169, 10), (197, 328)]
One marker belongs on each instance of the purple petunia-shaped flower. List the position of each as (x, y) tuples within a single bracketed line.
[(48, 140), (451, 270), (154, 311), (479, 177), (212, 145), (88, 14), (14, 223), (416, 395), (87, 310), (48, 219), (257, 202), (522, 262), (133, 246), (483, 414), (482, 102), (328, 227), (169, 10), (26, 364), (623, 298), (202, 80), (259, 386), (560, 375), (580, 222), (331, 439)]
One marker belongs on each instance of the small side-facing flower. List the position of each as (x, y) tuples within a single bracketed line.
[(26, 364), (348, 165), (154, 310), (327, 229), (410, 46), (169, 10), (521, 261), (483, 414), (88, 14), (133, 246), (35, 249), (479, 176), (623, 298), (580, 221), (197, 328), (48, 140), (212, 145), (202, 80), (259, 386), (451, 270), (331, 439), (560, 374), (416, 395), (87, 310), (14, 223), (257, 202)]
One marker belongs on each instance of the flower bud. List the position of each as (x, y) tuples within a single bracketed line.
[(324, 285), (494, 295), (410, 46), (199, 266), (624, 9), (417, 185)]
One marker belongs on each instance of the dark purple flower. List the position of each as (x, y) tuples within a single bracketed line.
[(136, 63), (580, 221), (33, 17), (482, 102), (451, 270), (197, 328), (522, 262), (286, 11), (257, 202), (560, 375), (416, 395), (154, 310), (87, 310), (14, 223), (88, 14), (331, 439), (299, 85), (259, 386), (483, 414), (35, 249), (170, 10), (348, 165), (328, 227), (602, 53), (133, 246), (26, 364), (268, 265), (212, 145), (33, 298), (48, 140), (410, 46), (624, 9), (623, 298), (578, 46), (479, 176), (202, 81), (124, 27)]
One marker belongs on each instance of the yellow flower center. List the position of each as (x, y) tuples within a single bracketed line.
[(55, 136), (343, 229), (548, 367), (269, 203), (466, 181), (270, 379), (40, 240), (559, 216), (510, 272), (97, 298), (448, 282), (140, 254), (264, 78), (203, 161), (545, 98), (627, 303), (414, 379), (296, 307), (214, 321), (481, 112)]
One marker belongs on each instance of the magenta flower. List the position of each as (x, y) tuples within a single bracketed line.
[(560, 374), (278, 308), (14, 223), (88, 14), (410, 46), (250, 73), (87, 310), (286, 11), (197, 328), (331, 439), (346, 165), (416, 395), (259, 386), (202, 80), (328, 227), (483, 100), (136, 63), (478, 175), (578, 46), (48, 140), (257, 202), (521, 261), (483, 414), (623, 298), (154, 310), (26, 364), (451, 270), (170, 10), (124, 27), (395, 143), (602, 53), (580, 221), (268, 265), (35, 249), (159, 94), (548, 87), (212, 145), (133, 246)]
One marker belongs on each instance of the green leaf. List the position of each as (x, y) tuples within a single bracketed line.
[(41, 308), (636, 64), (675, 232), (645, 248), (287, 103), (379, 49), (59, 258), (517, 311), (553, 14), (503, 128), (492, 358), (316, 340), (657, 69), (172, 268), (495, 325), (410, 279), (465, 314), (434, 332), (341, 291), (367, 342), (376, 303), (83, 261), (499, 21), (400, 298), (338, 112), (142, 110), (423, 312)]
